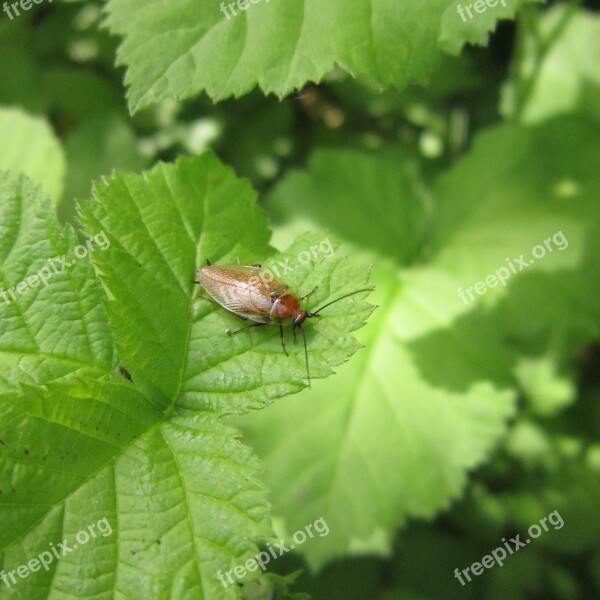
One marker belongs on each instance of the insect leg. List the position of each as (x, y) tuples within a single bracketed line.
[(229, 332), (306, 356), (310, 293), (281, 337)]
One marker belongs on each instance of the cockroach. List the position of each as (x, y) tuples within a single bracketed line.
[(243, 292)]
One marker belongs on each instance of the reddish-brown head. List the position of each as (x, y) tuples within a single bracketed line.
[(286, 307)]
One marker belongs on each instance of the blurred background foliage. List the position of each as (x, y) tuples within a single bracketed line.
[(436, 185)]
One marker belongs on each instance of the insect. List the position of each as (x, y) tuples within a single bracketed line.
[(240, 290)]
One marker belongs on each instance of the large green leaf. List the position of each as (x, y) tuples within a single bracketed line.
[(175, 500), (383, 442), (181, 47), (172, 493), (395, 436)]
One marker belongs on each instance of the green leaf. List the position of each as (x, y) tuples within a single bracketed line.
[(29, 146), (534, 192), (207, 214), (472, 22), (430, 399), (370, 180), (177, 500), (53, 321), (171, 494), (179, 48), (409, 442)]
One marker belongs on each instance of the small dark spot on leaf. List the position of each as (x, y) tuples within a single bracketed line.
[(26, 451), (125, 373)]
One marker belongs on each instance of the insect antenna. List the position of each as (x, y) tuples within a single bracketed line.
[(314, 314)]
